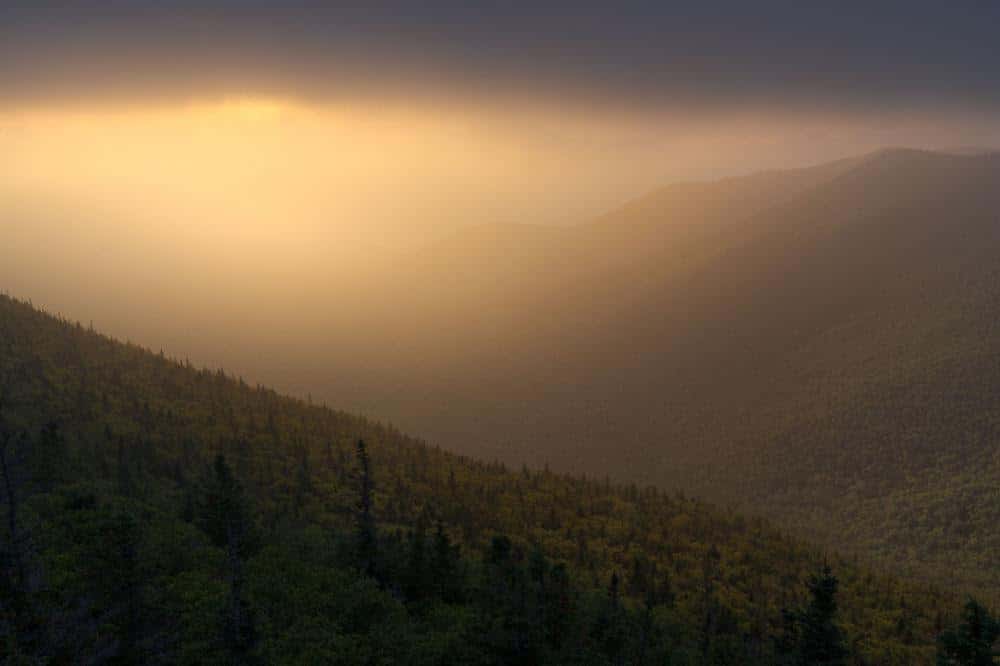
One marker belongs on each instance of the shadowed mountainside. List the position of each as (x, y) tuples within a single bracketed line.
[(816, 345), (820, 344), (117, 506)]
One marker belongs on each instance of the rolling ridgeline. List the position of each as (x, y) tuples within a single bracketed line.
[(159, 513), (818, 346)]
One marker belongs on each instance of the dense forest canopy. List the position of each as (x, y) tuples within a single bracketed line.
[(160, 512)]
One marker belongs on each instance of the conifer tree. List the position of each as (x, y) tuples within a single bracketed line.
[(15, 578), (303, 482), (444, 565), (812, 637), (822, 640), (48, 456), (124, 482), (971, 643), (558, 605), (710, 609), (416, 566), (225, 517), (610, 633), (122, 581), (365, 519)]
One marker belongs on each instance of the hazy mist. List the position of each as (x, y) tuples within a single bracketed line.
[(266, 235), (330, 200)]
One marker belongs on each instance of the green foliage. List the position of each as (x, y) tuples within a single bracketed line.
[(812, 637), (365, 528), (818, 346), (223, 513), (974, 642), (186, 494)]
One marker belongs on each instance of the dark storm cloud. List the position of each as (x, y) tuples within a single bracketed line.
[(853, 55)]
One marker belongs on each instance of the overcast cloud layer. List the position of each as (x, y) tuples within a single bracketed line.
[(855, 56)]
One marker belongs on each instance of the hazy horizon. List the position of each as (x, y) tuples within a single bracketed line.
[(607, 333), (223, 157)]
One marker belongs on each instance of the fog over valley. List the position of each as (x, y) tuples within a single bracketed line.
[(386, 333)]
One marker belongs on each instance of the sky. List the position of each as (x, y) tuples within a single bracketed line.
[(184, 173), (855, 56), (487, 112), (394, 122)]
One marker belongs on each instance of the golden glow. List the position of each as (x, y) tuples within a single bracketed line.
[(255, 207), (228, 227), (258, 175), (247, 109), (265, 174)]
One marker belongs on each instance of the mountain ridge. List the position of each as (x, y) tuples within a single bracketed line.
[(128, 432), (874, 257)]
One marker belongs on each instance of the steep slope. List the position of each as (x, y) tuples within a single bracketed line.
[(815, 345), (120, 436), (820, 343), (501, 321), (873, 411)]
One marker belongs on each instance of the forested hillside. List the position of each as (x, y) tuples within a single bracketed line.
[(820, 346), (816, 346), (158, 512)]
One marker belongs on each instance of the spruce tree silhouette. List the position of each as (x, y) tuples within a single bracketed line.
[(365, 520), (821, 641), (971, 643)]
